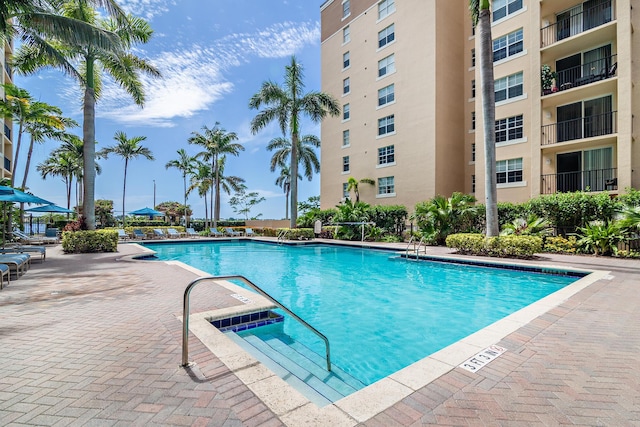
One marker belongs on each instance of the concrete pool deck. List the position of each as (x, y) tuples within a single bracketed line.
[(94, 340)]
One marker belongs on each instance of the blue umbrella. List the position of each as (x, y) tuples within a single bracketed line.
[(8, 194), (50, 208), (147, 211)]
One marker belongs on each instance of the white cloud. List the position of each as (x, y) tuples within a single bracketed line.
[(146, 9), (194, 77)]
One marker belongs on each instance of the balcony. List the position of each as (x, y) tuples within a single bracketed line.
[(583, 127), (576, 21), (587, 73), (7, 164), (7, 132), (590, 180)]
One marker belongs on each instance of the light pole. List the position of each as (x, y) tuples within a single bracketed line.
[(154, 194)]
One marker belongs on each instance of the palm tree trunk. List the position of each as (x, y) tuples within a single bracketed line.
[(15, 157), (206, 213), (489, 118), (216, 186), (89, 152), (185, 200), (294, 180), (124, 188), (26, 173), (286, 205)]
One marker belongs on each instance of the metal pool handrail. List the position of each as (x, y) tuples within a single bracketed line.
[(185, 315)]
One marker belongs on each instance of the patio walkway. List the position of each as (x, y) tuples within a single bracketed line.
[(94, 340)]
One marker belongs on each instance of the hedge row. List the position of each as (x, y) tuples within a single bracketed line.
[(86, 241), (500, 246)]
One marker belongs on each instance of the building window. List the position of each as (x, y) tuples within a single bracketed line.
[(473, 88), (386, 155), (386, 65), (473, 151), (386, 95), (346, 138), (509, 87), (385, 8), (346, 86), (346, 60), (346, 34), (473, 183), (387, 35), (507, 45), (386, 185), (502, 8), (473, 120), (509, 129), (509, 171), (346, 8), (386, 125), (346, 112), (345, 164), (345, 192), (473, 57)]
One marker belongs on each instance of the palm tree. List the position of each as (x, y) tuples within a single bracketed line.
[(306, 154), (352, 184), (85, 60), (64, 165), (228, 183), (128, 149), (216, 142), (284, 181), (285, 105), (185, 163), (201, 180), (481, 18)]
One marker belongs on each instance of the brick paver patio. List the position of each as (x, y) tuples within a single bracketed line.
[(94, 340)]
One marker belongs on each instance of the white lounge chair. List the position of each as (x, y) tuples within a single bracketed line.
[(230, 232), (249, 232), (192, 232), (24, 238), (158, 233), (122, 235), (214, 232), (173, 233)]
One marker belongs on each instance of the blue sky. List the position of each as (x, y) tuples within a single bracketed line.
[(214, 55)]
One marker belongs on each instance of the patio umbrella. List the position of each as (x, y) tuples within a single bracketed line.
[(147, 211), (8, 194), (50, 208)]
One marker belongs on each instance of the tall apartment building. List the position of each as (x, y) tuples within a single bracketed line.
[(404, 71), (5, 131)]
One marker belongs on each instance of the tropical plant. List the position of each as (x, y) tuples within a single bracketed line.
[(356, 213), (201, 180), (312, 203), (441, 216), (352, 184), (481, 19), (600, 237), (630, 218), (86, 59), (242, 202), (546, 77), (185, 164), (128, 149), (285, 105), (216, 142), (531, 226)]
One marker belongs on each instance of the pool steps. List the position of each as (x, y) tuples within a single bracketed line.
[(298, 365)]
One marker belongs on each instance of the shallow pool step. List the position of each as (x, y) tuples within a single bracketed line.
[(311, 380)]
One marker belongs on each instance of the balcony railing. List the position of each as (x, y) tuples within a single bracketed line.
[(583, 127), (586, 73), (7, 164), (7, 132), (591, 180), (577, 23)]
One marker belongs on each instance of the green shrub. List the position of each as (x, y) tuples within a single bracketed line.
[(296, 233), (561, 245), (500, 246), (87, 241), (391, 219), (600, 237)]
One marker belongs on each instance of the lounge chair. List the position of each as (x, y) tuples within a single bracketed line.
[(24, 238), (51, 235), (122, 235), (214, 232), (4, 271), (249, 232), (18, 263), (172, 232), (36, 250), (158, 233), (192, 232), (138, 234), (230, 232)]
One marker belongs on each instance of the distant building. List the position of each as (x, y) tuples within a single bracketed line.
[(405, 74), (6, 130)]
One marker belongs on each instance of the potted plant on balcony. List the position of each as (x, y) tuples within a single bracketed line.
[(547, 77)]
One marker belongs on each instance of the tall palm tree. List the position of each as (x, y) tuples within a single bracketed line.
[(352, 184), (285, 105), (284, 181), (86, 60), (201, 180), (228, 183), (128, 149), (185, 164), (216, 142), (481, 18), (64, 165)]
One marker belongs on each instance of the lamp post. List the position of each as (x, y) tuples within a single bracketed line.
[(154, 194)]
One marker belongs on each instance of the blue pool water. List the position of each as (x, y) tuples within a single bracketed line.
[(379, 312)]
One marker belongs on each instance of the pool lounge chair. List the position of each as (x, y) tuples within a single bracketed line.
[(41, 251), (192, 232), (18, 263), (249, 232), (158, 233), (138, 234), (4, 271), (214, 232), (230, 232), (173, 233), (51, 235), (122, 235), (24, 238)]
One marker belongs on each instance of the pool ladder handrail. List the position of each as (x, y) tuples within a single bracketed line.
[(282, 235), (185, 315), (415, 247)]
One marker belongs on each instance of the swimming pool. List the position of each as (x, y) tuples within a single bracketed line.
[(379, 312)]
